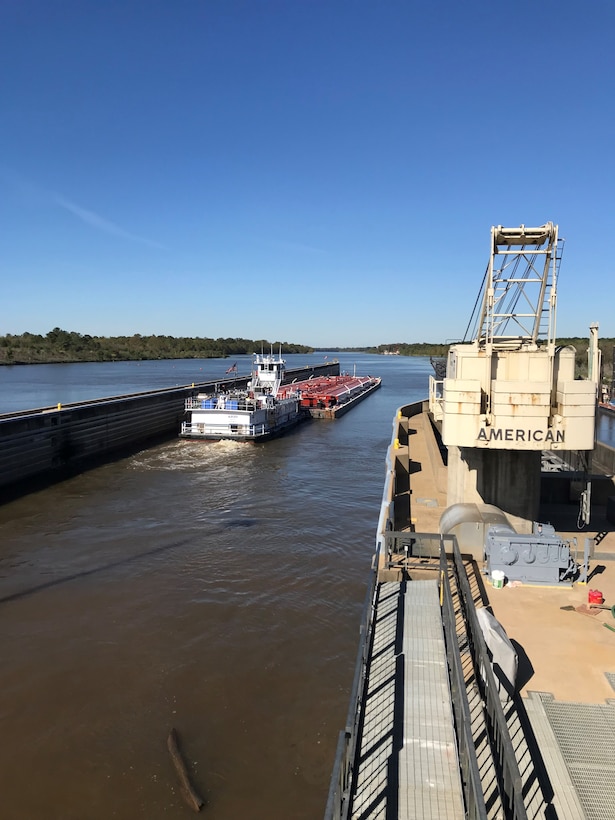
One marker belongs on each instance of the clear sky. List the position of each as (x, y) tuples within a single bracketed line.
[(324, 172)]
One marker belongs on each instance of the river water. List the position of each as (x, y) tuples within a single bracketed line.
[(211, 587)]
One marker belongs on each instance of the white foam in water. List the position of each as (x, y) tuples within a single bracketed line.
[(188, 455)]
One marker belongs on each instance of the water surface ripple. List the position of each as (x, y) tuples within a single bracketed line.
[(212, 587)]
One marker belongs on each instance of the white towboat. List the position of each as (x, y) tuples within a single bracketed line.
[(253, 413)]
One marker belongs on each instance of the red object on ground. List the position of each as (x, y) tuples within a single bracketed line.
[(595, 596)]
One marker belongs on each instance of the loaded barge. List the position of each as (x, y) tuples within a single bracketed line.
[(479, 690), (329, 397)]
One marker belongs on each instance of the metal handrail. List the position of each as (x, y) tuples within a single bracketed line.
[(241, 402), (507, 768), (338, 801), (468, 763), (221, 429), (402, 546), (193, 403)]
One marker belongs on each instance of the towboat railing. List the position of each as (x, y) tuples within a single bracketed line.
[(226, 403), (204, 430)]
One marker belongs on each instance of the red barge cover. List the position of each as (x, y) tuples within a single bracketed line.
[(328, 391)]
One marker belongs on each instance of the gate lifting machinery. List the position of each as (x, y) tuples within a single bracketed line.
[(541, 557), (510, 393), (510, 388)]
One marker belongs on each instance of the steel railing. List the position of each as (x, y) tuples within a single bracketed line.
[(468, 763), (214, 403), (404, 548), (507, 768), (421, 546), (338, 801), (205, 430)]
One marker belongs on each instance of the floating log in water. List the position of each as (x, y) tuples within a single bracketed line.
[(190, 796)]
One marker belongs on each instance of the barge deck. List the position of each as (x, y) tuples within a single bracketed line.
[(329, 397), (347, 402)]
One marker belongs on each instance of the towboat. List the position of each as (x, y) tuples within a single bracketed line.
[(257, 412)]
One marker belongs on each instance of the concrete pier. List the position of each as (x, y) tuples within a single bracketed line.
[(508, 479)]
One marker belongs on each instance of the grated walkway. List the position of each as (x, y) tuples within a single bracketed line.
[(374, 795), (407, 764), (578, 744), (430, 783)]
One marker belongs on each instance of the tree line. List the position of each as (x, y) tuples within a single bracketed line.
[(411, 349), (67, 346)]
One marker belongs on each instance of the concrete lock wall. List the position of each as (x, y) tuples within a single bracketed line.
[(507, 479), (53, 441), (48, 444)]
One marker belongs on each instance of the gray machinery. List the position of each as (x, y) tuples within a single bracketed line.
[(540, 557)]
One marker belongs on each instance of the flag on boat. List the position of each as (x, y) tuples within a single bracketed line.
[(232, 368)]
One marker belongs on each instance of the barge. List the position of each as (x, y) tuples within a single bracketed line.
[(330, 397)]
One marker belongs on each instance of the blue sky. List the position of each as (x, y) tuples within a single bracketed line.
[(314, 171)]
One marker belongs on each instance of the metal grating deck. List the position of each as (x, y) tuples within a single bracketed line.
[(372, 792), (407, 763), (585, 735), (430, 783)]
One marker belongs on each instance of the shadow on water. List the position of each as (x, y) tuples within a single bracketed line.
[(237, 624), (25, 593), (240, 523)]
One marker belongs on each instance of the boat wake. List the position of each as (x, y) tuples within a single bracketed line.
[(188, 455)]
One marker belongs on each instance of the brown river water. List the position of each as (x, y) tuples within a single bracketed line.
[(215, 588)]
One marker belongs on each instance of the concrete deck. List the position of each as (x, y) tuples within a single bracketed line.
[(561, 651), (428, 475)]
